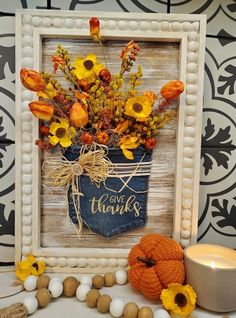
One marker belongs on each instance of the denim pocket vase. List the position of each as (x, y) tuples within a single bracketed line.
[(118, 204)]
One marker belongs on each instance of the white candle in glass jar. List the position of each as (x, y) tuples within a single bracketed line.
[(211, 270)]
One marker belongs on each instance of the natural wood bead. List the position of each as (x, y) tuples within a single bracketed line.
[(98, 281), (110, 279), (43, 296), (103, 303), (131, 310), (70, 285), (43, 281), (92, 298), (145, 312)]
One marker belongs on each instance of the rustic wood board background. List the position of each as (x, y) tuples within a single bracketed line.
[(160, 62)]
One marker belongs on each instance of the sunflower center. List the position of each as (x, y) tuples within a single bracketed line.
[(35, 265), (60, 132), (88, 64), (180, 300), (137, 107)]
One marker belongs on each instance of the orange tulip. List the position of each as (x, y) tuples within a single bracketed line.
[(95, 28), (41, 110), (32, 80), (172, 89), (78, 115)]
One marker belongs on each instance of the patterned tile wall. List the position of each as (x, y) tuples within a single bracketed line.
[(217, 211)]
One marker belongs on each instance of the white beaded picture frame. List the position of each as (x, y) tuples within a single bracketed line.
[(31, 27)]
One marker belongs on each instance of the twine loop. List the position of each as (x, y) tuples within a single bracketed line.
[(17, 310), (77, 169)]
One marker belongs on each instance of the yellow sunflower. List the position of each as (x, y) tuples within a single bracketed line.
[(29, 266), (87, 68), (61, 133), (138, 107), (178, 299)]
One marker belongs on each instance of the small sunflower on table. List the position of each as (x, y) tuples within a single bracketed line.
[(97, 107)]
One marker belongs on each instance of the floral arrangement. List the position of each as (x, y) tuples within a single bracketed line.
[(98, 106)]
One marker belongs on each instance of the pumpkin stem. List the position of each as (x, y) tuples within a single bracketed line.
[(148, 261)]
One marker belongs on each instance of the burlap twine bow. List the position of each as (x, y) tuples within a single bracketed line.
[(92, 161)]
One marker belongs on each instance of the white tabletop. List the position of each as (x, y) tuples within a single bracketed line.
[(63, 306)]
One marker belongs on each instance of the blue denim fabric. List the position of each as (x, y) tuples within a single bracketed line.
[(110, 213)]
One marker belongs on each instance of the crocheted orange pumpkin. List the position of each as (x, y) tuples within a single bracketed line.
[(154, 263)]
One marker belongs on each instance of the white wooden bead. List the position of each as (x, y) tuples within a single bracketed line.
[(26, 116), (190, 110), (133, 25), (187, 193), (188, 162), (30, 282), (161, 313), (27, 62), (56, 288), (104, 24), (193, 36), (26, 95), (117, 307), (82, 291), (27, 189), (187, 183), (54, 280), (72, 262), (188, 152), (61, 261), (189, 131), (26, 137), (192, 67), (27, 51), (189, 141), (26, 168), (188, 172), (69, 23), (31, 304), (26, 126), (86, 280), (121, 277)]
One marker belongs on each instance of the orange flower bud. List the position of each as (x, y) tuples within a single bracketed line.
[(57, 60), (87, 138), (44, 130), (78, 115), (32, 80), (150, 143), (41, 110), (84, 85), (105, 75), (172, 89), (94, 28)]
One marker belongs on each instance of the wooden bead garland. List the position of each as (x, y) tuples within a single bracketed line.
[(92, 296)]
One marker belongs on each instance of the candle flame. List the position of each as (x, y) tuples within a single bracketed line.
[(213, 264)]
